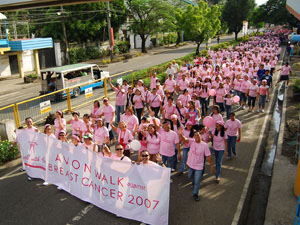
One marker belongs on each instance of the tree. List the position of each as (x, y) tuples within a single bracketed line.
[(235, 12), (257, 18), (201, 22), (275, 12), (149, 17)]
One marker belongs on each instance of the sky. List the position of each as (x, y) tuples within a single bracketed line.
[(260, 2)]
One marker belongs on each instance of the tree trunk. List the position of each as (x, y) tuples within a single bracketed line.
[(236, 34), (144, 50), (178, 38), (198, 48)]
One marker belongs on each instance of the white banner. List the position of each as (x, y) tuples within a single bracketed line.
[(137, 192)]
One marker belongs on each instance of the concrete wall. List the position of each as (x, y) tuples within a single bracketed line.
[(28, 61), (4, 66)]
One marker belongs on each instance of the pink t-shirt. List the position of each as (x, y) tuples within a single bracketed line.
[(193, 116), (169, 110), (216, 117), (85, 126), (253, 90), (170, 85), (138, 101), (152, 82), (130, 120), (120, 97), (219, 142), (183, 112), (100, 135), (153, 143), (232, 127), (126, 136), (154, 100), (184, 99), (183, 84), (186, 134), (228, 101), (263, 90), (108, 113), (95, 112), (237, 84), (220, 94), (196, 155), (245, 86), (76, 126), (167, 143), (285, 70), (123, 158), (56, 126)]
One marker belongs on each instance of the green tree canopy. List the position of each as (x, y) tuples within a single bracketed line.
[(149, 17), (235, 12), (201, 22)]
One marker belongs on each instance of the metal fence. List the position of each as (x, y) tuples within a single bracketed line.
[(64, 100)]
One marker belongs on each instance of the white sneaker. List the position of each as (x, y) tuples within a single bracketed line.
[(243, 107), (29, 178), (258, 110), (262, 111), (59, 188), (45, 183)]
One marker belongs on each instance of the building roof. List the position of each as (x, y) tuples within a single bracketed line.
[(69, 68), (294, 7)]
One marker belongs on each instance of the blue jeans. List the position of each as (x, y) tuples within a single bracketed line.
[(176, 158), (228, 111), (196, 176), (221, 105), (218, 156), (119, 111), (169, 161), (231, 145), (184, 159)]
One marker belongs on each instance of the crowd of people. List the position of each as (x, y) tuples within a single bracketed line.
[(168, 118)]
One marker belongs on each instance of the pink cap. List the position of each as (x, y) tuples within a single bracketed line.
[(189, 123), (75, 137), (173, 117), (105, 99)]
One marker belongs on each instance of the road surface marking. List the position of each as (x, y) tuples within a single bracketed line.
[(81, 214), (10, 173), (10, 94)]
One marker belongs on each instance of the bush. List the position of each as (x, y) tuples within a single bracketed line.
[(92, 52), (296, 86), (8, 151), (78, 55), (33, 75), (170, 38), (122, 46)]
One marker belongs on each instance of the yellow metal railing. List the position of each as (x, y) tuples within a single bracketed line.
[(32, 107)]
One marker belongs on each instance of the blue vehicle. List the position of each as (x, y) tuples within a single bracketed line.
[(58, 78)]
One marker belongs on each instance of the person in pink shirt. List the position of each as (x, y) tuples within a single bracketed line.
[(198, 152), (48, 130), (101, 135), (197, 102), (146, 94), (86, 125), (154, 102), (29, 124), (170, 85), (193, 115), (184, 98), (120, 99), (216, 115), (76, 140), (237, 86), (124, 136), (183, 84), (76, 123), (181, 112), (228, 104), (286, 70), (119, 155), (169, 139), (108, 111), (220, 94), (59, 123), (233, 128), (263, 96), (153, 79), (187, 133), (138, 101), (204, 98), (253, 92), (131, 120), (168, 109), (89, 144), (95, 111), (220, 145), (245, 85), (153, 142)]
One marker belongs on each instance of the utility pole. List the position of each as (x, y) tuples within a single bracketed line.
[(65, 35), (15, 29), (109, 28)]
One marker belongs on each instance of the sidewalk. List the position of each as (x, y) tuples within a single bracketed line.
[(282, 203)]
